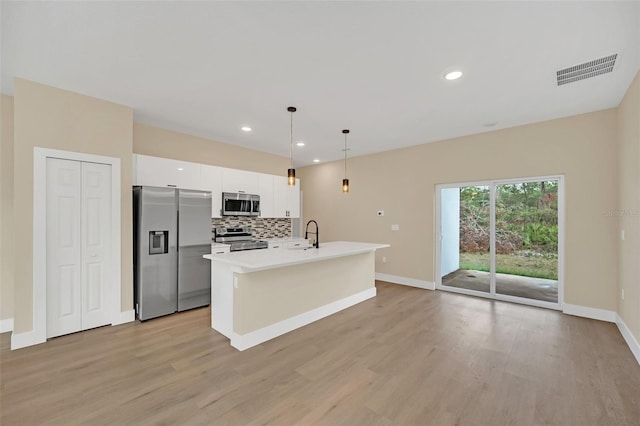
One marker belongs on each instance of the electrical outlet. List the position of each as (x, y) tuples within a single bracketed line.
[(380, 213), (395, 227), (384, 260)]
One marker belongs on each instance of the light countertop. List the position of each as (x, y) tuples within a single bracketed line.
[(257, 260)]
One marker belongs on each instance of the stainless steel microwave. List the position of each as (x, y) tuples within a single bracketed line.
[(240, 204)]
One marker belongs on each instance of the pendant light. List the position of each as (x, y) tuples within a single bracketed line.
[(345, 181), (291, 173)]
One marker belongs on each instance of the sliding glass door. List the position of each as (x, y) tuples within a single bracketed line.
[(466, 232), (502, 240)]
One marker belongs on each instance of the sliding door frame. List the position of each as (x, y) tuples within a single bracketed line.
[(492, 191)]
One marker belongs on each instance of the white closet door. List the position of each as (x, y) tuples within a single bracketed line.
[(78, 239), (96, 232), (63, 239)]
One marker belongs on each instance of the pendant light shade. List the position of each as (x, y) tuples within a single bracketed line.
[(345, 181), (291, 173)]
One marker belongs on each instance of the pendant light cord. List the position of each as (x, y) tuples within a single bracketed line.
[(345, 155), (291, 141)]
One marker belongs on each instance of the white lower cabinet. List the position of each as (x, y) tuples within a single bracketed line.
[(289, 243), (220, 249)]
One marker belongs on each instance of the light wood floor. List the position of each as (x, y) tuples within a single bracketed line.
[(407, 357)]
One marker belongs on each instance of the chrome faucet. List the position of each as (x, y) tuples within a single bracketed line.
[(316, 244)]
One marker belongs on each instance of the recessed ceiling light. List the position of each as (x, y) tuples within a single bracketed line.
[(453, 75), (315, 160), (246, 128), (180, 169), (300, 143)]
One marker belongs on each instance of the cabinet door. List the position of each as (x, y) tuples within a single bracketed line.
[(280, 196), (239, 181), (293, 200), (211, 180), (297, 243), (156, 171), (265, 191), (220, 250), (286, 199)]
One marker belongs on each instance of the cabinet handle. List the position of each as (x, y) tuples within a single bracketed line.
[(172, 186), (219, 252)]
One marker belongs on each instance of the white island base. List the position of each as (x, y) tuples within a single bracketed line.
[(261, 294)]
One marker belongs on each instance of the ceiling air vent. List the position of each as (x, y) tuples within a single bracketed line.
[(586, 70)]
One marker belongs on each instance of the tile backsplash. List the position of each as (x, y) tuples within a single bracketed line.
[(263, 227)]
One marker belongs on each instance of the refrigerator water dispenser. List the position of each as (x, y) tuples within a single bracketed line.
[(158, 242)]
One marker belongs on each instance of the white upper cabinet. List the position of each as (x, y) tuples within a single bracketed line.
[(277, 199), (265, 191), (156, 171), (293, 199), (239, 181), (286, 199), (211, 180)]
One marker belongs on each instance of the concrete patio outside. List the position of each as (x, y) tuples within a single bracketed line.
[(512, 285)]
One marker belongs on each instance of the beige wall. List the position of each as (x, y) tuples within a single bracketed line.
[(52, 118), (402, 183), (159, 142), (629, 207), (6, 207)]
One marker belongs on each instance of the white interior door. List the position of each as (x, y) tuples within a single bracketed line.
[(63, 239), (96, 218), (78, 245)]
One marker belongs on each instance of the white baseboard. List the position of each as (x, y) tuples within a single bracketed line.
[(246, 341), (412, 282), (586, 312), (22, 340), (123, 317), (6, 325), (30, 338), (628, 337)]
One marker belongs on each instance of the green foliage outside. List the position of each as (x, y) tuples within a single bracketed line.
[(526, 228)]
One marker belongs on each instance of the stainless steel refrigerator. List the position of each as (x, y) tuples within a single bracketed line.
[(171, 232)]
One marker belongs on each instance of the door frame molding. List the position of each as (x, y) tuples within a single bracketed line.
[(561, 237), (114, 291)]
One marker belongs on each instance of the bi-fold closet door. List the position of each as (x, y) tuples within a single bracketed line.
[(78, 232)]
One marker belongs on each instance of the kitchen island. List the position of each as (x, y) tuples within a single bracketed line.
[(257, 295)]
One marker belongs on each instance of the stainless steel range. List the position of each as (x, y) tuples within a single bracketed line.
[(239, 238)]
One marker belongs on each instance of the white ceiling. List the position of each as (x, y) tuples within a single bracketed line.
[(208, 68)]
